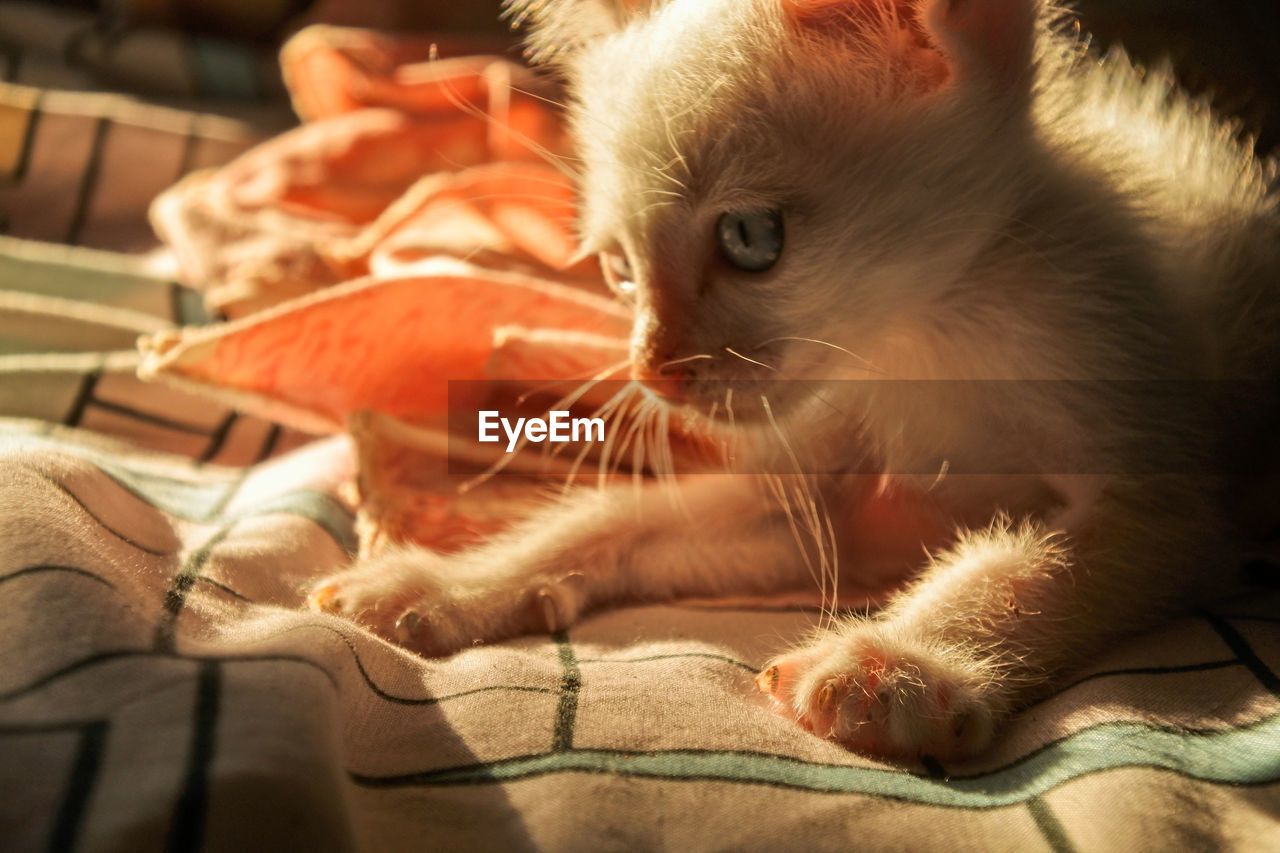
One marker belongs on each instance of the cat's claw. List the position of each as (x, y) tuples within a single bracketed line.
[(325, 598), (409, 627), (885, 699), (558, 604), (767, 680)]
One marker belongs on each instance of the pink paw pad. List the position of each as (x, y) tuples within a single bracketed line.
[(894, 706)]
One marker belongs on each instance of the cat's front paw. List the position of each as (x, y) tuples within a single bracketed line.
[(436, 605), (883, 696)]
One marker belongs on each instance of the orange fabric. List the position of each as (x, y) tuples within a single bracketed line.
[(305, 210), (391, 344), (409, 233)]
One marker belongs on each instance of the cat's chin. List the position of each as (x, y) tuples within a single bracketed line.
[(752, 402), (765, 426), (727, 403)]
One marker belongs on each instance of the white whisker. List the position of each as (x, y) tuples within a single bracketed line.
[(638, 452), (732, 351), (673, 362), (473, 110), (814, 510), (605, 411), (620, 404), (868, 365), (669, 193)]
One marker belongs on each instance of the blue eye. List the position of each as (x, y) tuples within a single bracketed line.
[(751, 240)]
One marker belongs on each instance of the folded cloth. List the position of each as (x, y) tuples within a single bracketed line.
[(380, 152), (406, 245)]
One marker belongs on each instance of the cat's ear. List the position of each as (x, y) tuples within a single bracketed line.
[(988, 40), (556, 29)]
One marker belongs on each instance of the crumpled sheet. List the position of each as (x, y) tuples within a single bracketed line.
[(411, 239), (398, 161)]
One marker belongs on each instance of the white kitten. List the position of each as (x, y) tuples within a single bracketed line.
[(882, 192)]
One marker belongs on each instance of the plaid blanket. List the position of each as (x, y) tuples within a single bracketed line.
[(161, 687)]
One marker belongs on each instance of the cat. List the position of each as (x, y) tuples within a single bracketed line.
[(1019, 274)]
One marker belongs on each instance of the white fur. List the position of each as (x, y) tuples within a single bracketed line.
[(1033, 214)]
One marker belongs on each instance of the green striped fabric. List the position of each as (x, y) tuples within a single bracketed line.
[(160, 686)]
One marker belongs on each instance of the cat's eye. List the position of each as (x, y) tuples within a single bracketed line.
[(751, 240), (618, 273)]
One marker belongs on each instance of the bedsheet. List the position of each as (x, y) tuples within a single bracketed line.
[(162, 687)]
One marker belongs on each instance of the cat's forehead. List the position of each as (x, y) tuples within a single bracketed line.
[(709, 105), (680, 108)]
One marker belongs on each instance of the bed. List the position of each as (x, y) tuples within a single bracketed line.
[(163, 687)]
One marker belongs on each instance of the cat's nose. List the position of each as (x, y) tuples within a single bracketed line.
[(667, 379), (661, 343)]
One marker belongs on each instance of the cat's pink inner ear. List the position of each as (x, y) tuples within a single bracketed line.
[(991, 39), (892, 28), (933, 41), (847, 14)]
